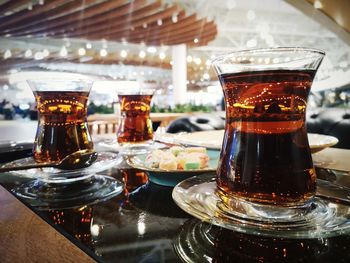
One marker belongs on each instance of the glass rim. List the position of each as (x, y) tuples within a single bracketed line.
[(268, 50), (42, 76), (135, 93)]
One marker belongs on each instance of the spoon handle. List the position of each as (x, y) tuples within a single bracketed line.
[(25, 167)]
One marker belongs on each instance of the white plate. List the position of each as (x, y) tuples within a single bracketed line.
[(213, 139), (319, 142), (172, 177)]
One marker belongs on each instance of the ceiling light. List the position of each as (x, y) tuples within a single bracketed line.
[(38, 55), (41, 2), (88, 45), (195, 40), (159, 22), (318, 4), (123, 53), (162, 55), (251, 15), (103, 52), (206, 76), (7, 54), (81, 51), (46, 52), (151, 50), (251, 43), (142, 54), (63, 51), (144, 25), (28, 53), (174, 18), (208, 62), (189, 59)]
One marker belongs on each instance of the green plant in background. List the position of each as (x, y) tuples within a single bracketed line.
[(102, 109), (184, 108), (179, 108)]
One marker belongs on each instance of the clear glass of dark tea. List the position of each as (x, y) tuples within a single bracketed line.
[(265, 157), (61, 100), (134, 122), (62, 131)]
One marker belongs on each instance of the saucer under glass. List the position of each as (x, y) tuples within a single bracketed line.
[(59, 189), (90, 189), (104, 161), (317, 219)]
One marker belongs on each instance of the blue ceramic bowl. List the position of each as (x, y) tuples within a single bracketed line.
[(172, 177)]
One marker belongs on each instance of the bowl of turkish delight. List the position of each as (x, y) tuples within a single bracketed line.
[(172, 165)]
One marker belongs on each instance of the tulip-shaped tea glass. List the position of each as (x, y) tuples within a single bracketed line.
[(62, 112), (62, 130), (135, 131), (135, 125), (265, 155), (265, 183)]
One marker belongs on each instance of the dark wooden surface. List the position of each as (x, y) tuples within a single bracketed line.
[(25, 237)]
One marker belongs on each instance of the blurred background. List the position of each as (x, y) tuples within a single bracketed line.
[(166, 46)]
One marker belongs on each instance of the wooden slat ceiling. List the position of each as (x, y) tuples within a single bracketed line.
[(139, 21), (338, 10)]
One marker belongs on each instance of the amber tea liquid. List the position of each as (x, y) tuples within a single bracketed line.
[(135, 123), (62, 127), (266, 156)]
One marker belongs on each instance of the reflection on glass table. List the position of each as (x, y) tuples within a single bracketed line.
[(143, 224), (201, 242)]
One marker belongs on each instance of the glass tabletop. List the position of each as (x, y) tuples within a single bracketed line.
[(143, 224)]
